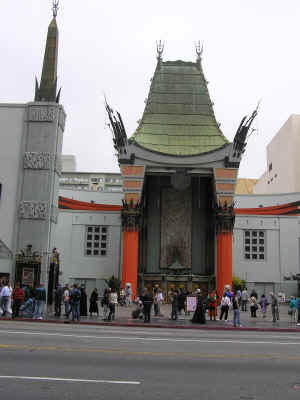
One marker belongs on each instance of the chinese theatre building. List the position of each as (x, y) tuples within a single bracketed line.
[(179, 175)]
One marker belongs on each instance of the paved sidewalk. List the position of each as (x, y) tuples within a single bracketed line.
[(124, 318)]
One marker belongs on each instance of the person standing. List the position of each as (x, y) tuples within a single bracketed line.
[(174, 311), (94, 303), (147, 300), (83, 302), (105, 303), (236, 311), (225, 303), (75, 297), (5, 295), (58, 300), (293, 308), (128, 293), (274, 307), (18, 300), (253, 306), (244, 299), (263, 305), (199, 314), (40, 299), (66, 299), (113, 301), (212, 305)]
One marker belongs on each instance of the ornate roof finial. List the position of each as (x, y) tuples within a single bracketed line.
[(199, 50), (55, 7), (160, 49)]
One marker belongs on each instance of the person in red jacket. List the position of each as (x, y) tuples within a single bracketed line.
[(18, 300)]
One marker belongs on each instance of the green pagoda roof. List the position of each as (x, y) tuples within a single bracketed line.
[(178, 118)]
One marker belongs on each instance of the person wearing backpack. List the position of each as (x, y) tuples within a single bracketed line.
[(225, 303), (212, 305), (75, 302)]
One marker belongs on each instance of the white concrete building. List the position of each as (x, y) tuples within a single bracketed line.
[(283, 169)]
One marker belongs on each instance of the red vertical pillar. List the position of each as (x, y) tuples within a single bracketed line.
[(130, 260), (224, 261), (224, 226)]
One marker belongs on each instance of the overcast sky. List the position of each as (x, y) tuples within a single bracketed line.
[(251, 52)]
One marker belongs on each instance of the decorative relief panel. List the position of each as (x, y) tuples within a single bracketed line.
[(58, 165), (62, 120), (54, 214), (33, 160), (176, 229), (33, 210), (42, 114)]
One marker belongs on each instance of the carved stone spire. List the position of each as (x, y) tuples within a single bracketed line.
[(47, 89)]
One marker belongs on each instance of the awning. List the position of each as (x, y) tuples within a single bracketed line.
[(4, 251)]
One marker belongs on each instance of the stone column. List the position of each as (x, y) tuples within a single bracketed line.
[(38, 203), (224, 226)]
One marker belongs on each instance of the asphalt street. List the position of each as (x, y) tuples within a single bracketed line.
[(49, 361)]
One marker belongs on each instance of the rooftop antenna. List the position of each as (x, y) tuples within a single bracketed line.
[(55, 7), (160, 49), (199, 50)]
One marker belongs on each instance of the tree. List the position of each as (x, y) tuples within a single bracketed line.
[(238, 283), (113, 282)]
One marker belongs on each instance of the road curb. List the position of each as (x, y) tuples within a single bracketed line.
[(158, 326)]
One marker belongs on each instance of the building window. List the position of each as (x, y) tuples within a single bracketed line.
[(254, 245), (96, 242)]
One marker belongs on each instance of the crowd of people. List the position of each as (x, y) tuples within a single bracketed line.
[(26, 301)]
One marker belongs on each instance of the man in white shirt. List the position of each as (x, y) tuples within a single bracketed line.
[(5, 297)]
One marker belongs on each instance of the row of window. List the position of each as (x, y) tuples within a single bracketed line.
[(96, 243)]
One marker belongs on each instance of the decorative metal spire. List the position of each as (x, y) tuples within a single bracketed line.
[(199, 50), (55, 7), (46, 91), (160, 49)]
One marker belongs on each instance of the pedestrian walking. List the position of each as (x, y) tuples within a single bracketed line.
[(225, 303), (293, 307), (66, 300), (236, 310), (18, 300), (59, 292), (94, 303), (113, 301), (75, 297), (40, 299), (253, 306), (5, 295), (83, 302), (263, 305), (274, 307), (244, 299), (174, 312), (147, 300)]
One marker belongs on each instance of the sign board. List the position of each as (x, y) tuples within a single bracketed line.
[(191, 303), (28, 276)]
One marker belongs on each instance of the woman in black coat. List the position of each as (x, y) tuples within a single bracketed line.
[(94, 303), (199, 314), (83, 302)]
